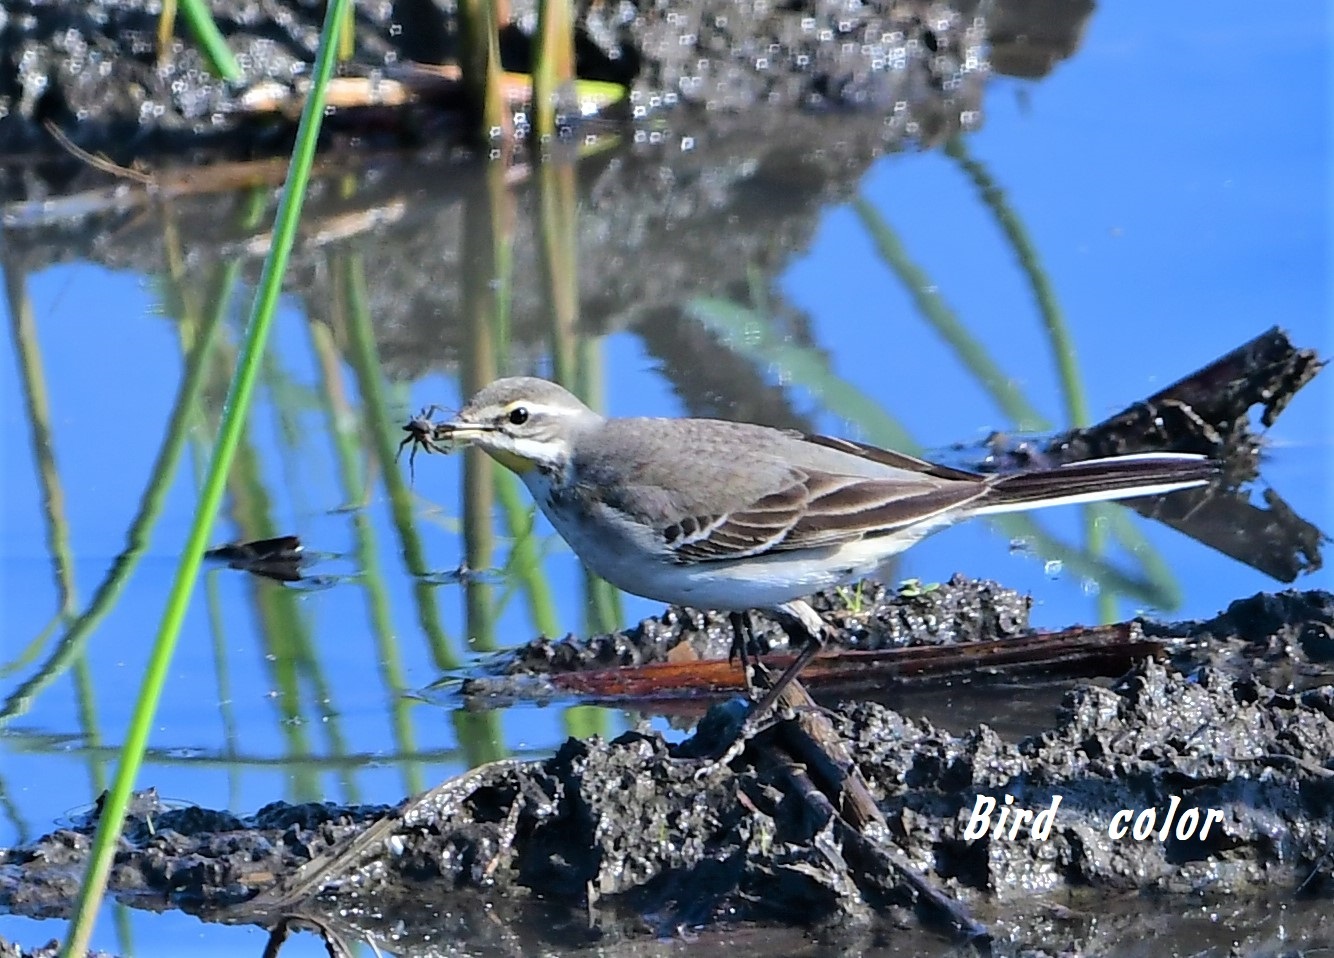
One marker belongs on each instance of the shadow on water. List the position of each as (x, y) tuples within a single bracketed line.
[(421, 278)]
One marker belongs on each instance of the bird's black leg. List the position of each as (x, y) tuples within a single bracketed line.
[(798, 619), (743, 639), (745, 647), (807, 621)]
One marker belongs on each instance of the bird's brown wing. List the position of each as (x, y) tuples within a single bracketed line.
[(751, 490), (816, 510)]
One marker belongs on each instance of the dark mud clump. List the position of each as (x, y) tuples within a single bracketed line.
[(636, 833), (868, 615)]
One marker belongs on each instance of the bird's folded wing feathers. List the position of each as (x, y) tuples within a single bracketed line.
[(780, 490), (816, 510), (895, 460)]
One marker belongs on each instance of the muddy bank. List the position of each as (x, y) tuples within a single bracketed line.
[(95, 69), (868, 616), (646, 837), (676, 663)]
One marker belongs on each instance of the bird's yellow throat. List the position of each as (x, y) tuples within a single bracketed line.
[(511, 461)]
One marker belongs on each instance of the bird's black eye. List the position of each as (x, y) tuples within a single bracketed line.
[(518, 415)]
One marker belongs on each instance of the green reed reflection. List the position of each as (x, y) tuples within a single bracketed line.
[(339, 420), (37, 407), (194, 318), (523, 570), (553, 62), (479, 42), (1062, 344), (602, 600), (1004, 392), (486, 292), (932, 307), (377, 423), (162, 475), (574, 364), (289, 654)]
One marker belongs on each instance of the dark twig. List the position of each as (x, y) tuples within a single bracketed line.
[(295, 890), (843, 796)]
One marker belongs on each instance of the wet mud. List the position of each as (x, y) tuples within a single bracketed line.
[(96, 70), (1201, 776), (644, 837)]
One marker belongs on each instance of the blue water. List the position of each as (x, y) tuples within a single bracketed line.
[(1174, 179)]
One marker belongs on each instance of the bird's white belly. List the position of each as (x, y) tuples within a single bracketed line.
[(766, 581), (634, 560)]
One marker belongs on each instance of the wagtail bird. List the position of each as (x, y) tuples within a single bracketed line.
[(732, 516)]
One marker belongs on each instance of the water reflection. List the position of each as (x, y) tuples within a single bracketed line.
[(647, 281), (485, 277)]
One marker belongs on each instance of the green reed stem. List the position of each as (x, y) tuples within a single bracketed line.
[(191, 331), (238, 399), (166, 27), (347, 37), (553, 63), (281, 625), (220, 58), (217, 623), (479, 28)]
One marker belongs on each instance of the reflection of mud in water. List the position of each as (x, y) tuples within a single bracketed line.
[(692, 200), (691, 203)]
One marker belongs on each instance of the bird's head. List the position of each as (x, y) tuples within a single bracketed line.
[(522, 422)]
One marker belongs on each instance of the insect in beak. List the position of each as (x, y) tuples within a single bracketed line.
[(421, 434)]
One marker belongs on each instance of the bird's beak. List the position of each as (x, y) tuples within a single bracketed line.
[(459, 433)]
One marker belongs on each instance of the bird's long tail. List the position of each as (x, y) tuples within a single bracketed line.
[(1095, 480)]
